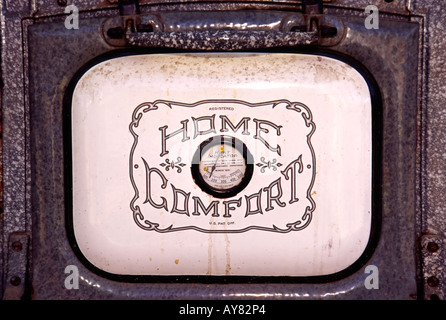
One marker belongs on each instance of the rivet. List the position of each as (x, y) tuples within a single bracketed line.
[(432, 246), (15, 281), (433, 281), (17, 246)]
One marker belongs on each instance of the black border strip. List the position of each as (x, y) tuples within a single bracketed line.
[(377, 138)]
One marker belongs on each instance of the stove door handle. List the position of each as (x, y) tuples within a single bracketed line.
[(224, 40)]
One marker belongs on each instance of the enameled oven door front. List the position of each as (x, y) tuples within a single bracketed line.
[(221, 164)]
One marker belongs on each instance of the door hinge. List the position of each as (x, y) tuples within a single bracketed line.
[(313, 11), (432, 259), (16, 268)]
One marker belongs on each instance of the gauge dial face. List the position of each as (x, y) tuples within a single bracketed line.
[(222, 166)]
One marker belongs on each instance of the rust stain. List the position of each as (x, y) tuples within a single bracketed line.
[(209, 272), (228, 255)]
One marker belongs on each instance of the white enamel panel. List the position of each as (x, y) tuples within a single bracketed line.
[(137, 122)]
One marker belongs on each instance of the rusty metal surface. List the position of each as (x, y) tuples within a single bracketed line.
[(410, 253)]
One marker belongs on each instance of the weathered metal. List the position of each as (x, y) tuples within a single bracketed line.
[(405, 56)]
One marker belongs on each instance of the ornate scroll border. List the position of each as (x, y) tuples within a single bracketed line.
[(145, 107)]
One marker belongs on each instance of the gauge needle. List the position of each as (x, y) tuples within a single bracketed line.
[(215, 164)]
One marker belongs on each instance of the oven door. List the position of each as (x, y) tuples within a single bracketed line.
[(250, 148), (180, 163)]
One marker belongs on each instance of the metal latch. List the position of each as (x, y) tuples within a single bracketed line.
[(222, 30)]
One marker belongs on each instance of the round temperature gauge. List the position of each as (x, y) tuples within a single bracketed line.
[(222, 166)]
